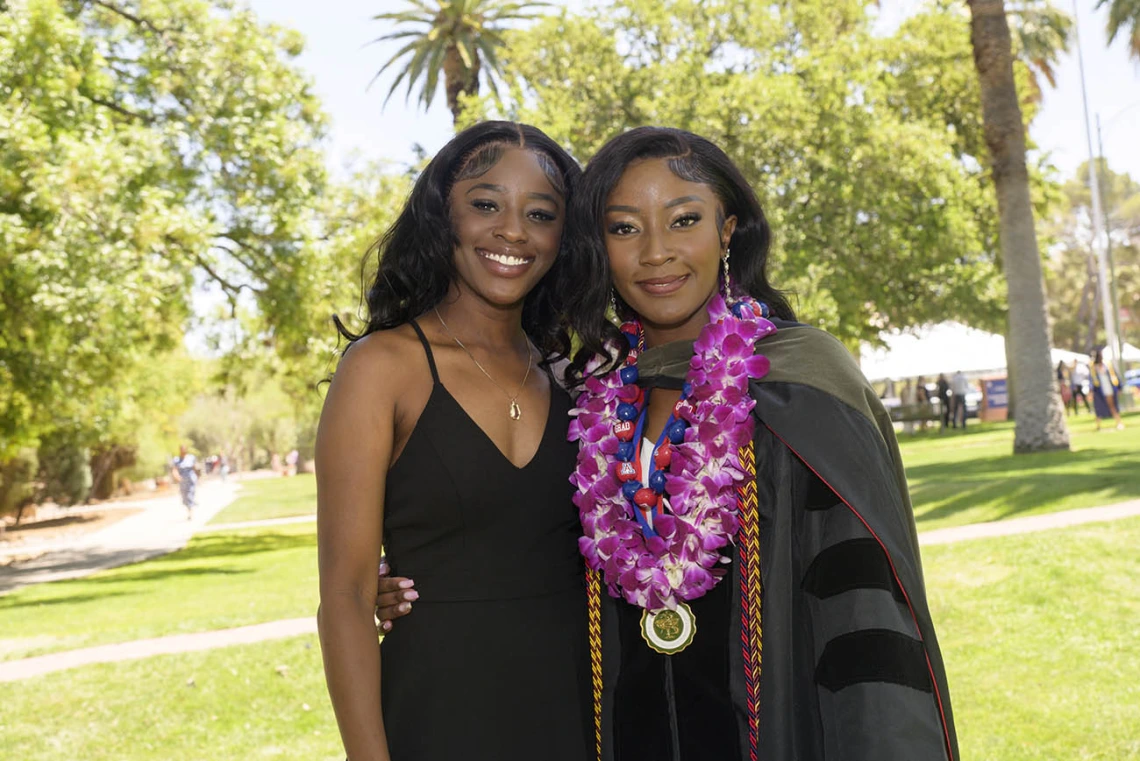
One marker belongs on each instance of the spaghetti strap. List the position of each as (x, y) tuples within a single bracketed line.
[(427, 350)]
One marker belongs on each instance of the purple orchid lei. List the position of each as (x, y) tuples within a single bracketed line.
[(683, 561)]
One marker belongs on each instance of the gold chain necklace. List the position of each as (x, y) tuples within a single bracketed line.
[(514, 410)]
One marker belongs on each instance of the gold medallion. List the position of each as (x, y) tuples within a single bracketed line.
[(669, 631), (516, 411)]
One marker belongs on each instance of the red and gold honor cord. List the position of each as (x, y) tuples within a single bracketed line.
[(594, 607), (751, 634)]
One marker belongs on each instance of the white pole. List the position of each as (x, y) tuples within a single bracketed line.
[(1118, 347), (1100, 238)]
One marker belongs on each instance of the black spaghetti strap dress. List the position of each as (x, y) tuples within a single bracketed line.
[(493, 662)]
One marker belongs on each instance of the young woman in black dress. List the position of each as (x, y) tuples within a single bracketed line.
[(443, 438)]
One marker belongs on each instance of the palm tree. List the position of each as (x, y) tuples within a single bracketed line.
[(1122, 14), (457, 37), (1040, 34), (1040, 415)]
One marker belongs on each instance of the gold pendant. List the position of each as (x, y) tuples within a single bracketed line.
[(516, 411), (669, 631)]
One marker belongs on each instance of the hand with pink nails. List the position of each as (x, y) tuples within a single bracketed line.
[(394, 597)]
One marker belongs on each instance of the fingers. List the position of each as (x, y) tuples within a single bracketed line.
[(394, 598)]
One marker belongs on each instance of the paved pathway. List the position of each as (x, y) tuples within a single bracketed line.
[(1031, 523), (25, 668), (160, 527), (181, 643)]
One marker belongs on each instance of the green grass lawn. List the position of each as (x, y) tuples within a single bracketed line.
[(264, 498), (970, 477), (217, 581), (1038, 632), (230, 704), (1039, 635)]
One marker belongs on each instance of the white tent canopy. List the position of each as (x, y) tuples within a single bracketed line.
[(946, 347), (1130, 353)]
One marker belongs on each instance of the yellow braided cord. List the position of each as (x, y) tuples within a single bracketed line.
[(594, 605), (750, 583)]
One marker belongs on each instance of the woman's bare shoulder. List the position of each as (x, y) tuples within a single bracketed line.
[(382, 364)]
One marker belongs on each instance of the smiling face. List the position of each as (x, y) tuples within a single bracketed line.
[(665, 239), (508, 226)]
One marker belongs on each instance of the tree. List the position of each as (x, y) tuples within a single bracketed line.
[(1124, 15), (459, 38), (144, 147), (879, 219), (1071, 274), (1040, 35), (1040, 415)]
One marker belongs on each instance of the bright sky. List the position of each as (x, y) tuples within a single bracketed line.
[(341, 63)]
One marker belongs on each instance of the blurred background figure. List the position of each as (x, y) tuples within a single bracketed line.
[(1105, 391), (184, 470), (922, 398), (960, 386), (943, 392), (1065, 386), (1079, 388)]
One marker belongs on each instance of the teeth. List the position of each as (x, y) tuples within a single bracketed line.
[(510, 261)]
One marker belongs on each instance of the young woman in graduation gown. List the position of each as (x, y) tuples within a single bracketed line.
[(756, 590)]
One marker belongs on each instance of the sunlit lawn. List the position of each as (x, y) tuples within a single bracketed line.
[(265, 498), (1038, 632), (957, 478), (219, 580), (230, 704)]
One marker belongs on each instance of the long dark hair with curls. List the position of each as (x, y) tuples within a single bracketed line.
[(692, 158), (417, 253)]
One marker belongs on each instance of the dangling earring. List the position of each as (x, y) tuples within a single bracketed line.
[(727, 280), (613, 304)]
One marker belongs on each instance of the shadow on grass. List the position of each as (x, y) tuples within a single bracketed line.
[(10, 602), (206, 546), (1021, 483), (205, 557)]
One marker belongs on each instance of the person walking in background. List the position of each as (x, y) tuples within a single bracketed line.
[(1105, 391), (960, 386), (291, 462), (943, 393), (184, 470), (1079, 379)]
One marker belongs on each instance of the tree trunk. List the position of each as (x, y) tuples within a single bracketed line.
[(1040, 416), (458, 79)]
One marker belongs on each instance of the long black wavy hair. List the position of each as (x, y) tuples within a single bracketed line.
[(417, 253), (692, 158)]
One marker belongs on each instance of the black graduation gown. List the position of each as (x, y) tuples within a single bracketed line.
[(851, 668)]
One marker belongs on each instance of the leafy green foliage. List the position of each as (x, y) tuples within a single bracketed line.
[(1071, 272), (870, 173), (1124, 16), (144, 147)]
